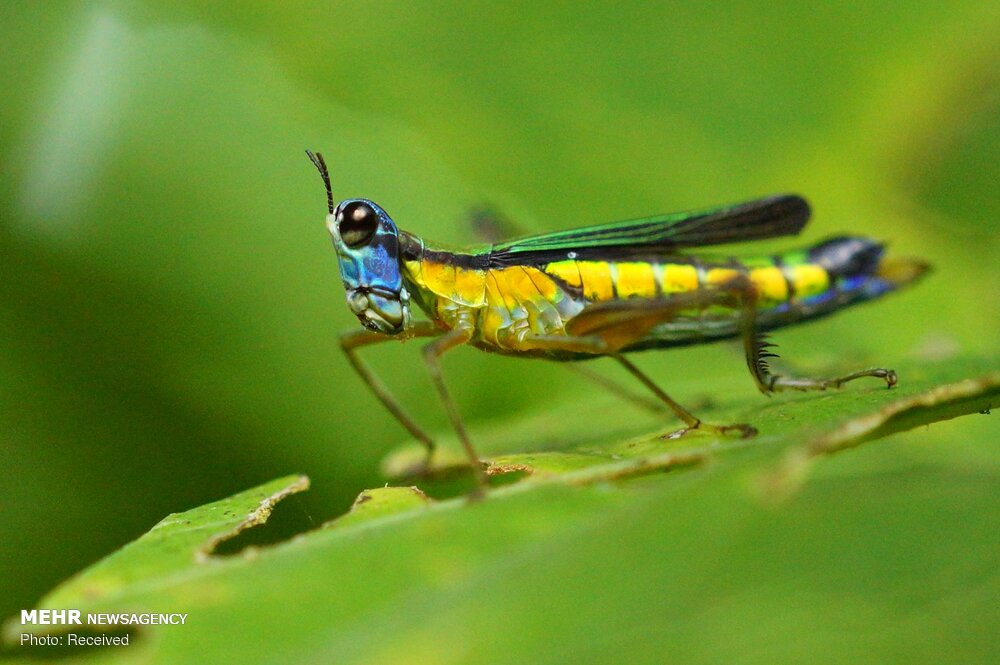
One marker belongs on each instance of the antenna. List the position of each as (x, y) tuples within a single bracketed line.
[(317, 160)]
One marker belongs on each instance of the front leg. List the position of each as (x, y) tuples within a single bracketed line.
[(352, 340)]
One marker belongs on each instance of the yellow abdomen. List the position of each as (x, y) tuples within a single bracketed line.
[(510, 304)]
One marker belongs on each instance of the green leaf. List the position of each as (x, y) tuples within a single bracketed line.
[(569, 436), (594, 555)]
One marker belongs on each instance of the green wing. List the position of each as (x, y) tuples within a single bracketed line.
[(653, 236)]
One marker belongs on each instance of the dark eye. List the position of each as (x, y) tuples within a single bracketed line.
[(358, 223)]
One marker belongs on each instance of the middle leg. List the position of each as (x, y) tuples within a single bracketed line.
[(432, 353)]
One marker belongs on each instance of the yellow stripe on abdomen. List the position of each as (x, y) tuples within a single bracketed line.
[(596, 280), (808, 279), (720, 276), (678, 278), (635, 279), (771, 286), (567, 272), (603, 280)]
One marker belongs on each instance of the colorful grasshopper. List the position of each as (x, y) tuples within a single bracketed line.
[(601, 291)]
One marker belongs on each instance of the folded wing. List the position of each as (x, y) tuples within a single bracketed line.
[(769, 217)]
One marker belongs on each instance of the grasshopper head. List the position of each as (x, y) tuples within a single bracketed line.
[(367, 244)]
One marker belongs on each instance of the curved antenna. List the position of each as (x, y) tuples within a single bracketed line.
[(320, 164)]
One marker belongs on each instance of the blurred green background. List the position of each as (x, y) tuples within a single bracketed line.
[(170, 300)]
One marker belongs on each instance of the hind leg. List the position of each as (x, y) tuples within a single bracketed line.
[(641, 401), (757, 350), (597, 346), (692, 422), (771, 383)]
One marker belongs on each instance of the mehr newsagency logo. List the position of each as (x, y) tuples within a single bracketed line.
[(70, 617)]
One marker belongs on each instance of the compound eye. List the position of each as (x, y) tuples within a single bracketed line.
[(358, 223)]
